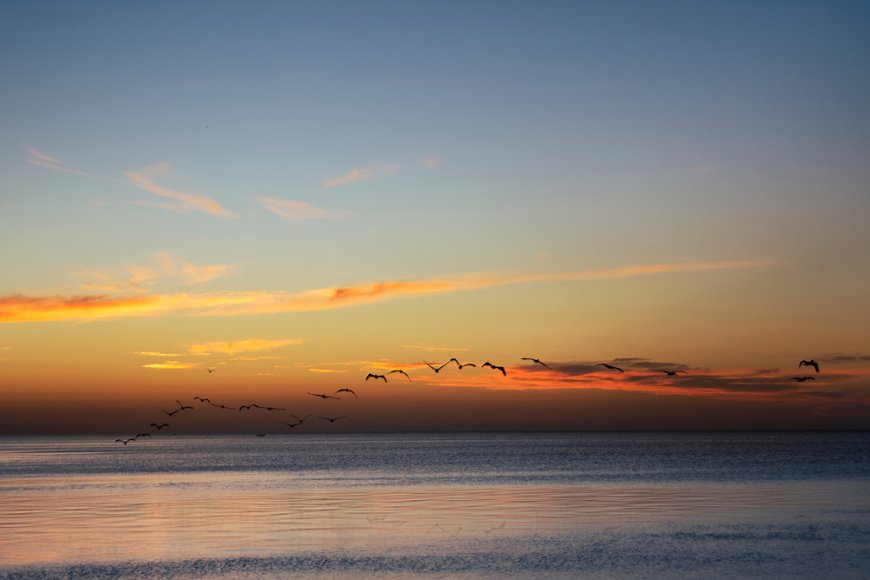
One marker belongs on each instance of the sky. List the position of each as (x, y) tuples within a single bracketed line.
[(252, 202)]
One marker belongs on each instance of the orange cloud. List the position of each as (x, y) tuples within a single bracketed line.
[(731, 384), (432, 348), (361, 174), (239, 346), (170, 365), (20, 308), (181, 200)]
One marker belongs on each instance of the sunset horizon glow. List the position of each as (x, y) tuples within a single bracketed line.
[(254, 214)]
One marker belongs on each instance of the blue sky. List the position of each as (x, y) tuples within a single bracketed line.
[(153, 149)]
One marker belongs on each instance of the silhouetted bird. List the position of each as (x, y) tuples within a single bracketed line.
[(803, 379), (210, 370), (142, 435), (291, 425), (159, 427), (494, 367), (535, 360), (673, 373), (809, 363), (222, 406), (170, 413), (611, 367), (322, 396), (459, 365), (245, 407), (374, 376), (400, 371), (302, 419), (347, 391), (333, 419), (182, 407), (125, 441), (202, 399), (272, 408), (438, 368)]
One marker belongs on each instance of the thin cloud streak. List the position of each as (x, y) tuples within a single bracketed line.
[(731, 384), (170, 365), (298, 211), (433, 348), (431, 161), (361, 174), (40, 159), (183, 201), (239, 346), (168, 266), (840, 358), (22, 308)]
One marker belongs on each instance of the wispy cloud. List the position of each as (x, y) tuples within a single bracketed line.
[(433, 348), (431, 161), (361, 174), (840, 358), (238, 346), (140, 277), (705, 169), (157, 353), (182, 201), (298, 211), (643, 375), (39, 158), (170, 365), (326, 371), (22, 308)]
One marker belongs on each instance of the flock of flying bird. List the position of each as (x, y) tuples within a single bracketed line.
[(300, 420)]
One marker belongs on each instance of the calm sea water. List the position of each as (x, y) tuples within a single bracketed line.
[(705, 505)]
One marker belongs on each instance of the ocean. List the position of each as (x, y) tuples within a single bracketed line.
[(506, 505)]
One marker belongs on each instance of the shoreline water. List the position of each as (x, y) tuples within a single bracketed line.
[(603, 505)]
